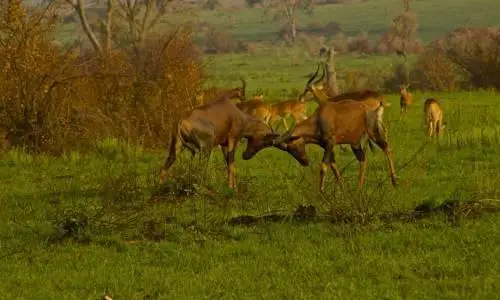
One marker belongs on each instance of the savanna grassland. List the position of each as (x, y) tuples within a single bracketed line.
[(83, 223)]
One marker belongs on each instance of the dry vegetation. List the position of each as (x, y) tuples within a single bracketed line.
[(55, 98)]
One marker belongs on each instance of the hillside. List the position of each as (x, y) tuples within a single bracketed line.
[(435, 18)]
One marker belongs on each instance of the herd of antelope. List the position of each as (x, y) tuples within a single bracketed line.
[(352, 118)]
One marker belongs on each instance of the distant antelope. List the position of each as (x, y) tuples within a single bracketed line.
[(218, 123), (344, 122), (214, 93), (433, 115), (405, 99)]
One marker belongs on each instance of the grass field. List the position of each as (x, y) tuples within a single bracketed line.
[(77, 226), (185, 247), (436, 18)]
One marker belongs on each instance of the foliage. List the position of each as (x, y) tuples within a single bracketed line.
[(434, 71), (54, 99), (402, 34), (475, 51)]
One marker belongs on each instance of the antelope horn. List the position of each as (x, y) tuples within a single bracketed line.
[(285, 136), (314, 75), (301, 96), (322, 75)]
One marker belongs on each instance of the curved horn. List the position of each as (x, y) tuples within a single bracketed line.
[(301, 96), (243, 87), (322, 75), (314, 75)]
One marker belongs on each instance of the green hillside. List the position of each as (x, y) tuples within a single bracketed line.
[(435, 18)]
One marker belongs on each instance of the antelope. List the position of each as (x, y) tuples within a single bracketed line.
[(371, 98), (345, 122), (405, 99), (271, 111), (433, 115), (213, 93), (218, 123)]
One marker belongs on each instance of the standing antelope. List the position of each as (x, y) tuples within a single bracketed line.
[(214, 93), (371, 98), (405, 99), (433, 115), (344, 122), (218, 123)]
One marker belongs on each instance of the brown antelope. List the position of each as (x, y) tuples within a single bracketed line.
[(405, 99), (433, 115), (344, 122), (214, 93), (218, 123), (269, 112), (371, 98)]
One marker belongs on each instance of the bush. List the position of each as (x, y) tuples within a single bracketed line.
[(361, 44), (433, 71), (218, 41), (476, 52), (55, 100)]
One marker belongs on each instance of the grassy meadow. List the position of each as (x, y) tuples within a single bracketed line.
[(78, 226)]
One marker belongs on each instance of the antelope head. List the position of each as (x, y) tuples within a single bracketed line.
[(294, 144), (402, 88), (259, 135)]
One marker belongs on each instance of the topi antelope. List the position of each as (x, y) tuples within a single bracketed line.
[(433, 115), (218, 123), (370, 98), (405, 99), (214, 93), (344, 122)]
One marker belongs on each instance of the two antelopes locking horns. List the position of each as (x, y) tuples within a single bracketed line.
[(347, 119)]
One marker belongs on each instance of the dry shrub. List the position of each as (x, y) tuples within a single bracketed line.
[(400, 75), (475, 51), (361, 44), (35, 93), (341, 42), (218, 41), (433, 71), (54, 99), (402, 34)]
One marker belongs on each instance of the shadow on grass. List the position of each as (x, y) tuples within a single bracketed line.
[(452, 209)]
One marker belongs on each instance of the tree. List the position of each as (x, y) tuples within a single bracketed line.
[(287, 11), (140, 17), (332, 88), (402, 35)]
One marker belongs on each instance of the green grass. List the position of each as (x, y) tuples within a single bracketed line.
[(182, 246), (436, 18), (200, 255)]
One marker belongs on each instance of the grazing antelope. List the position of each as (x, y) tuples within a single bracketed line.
[(345, 122), (405, 99), (433, 115), (214, 93), (218, 123)]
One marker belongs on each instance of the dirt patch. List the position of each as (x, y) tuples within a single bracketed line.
[(451, 209)]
